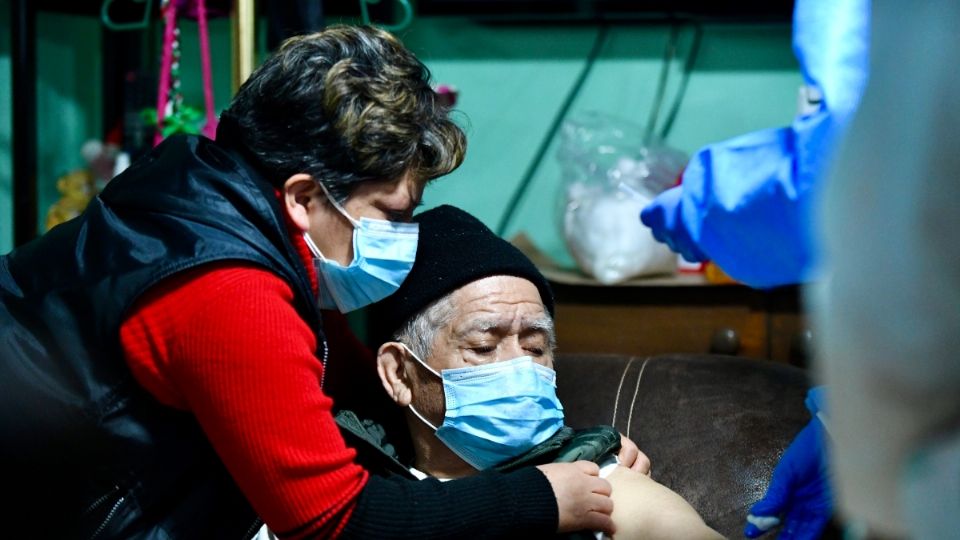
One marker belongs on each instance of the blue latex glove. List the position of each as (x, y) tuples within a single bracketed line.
[(799, 494), (663, 218), (745, 203)]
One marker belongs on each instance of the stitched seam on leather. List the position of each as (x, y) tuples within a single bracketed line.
[(616, 401), (636, 390)]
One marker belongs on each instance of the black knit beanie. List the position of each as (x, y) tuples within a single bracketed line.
[(454, 249)]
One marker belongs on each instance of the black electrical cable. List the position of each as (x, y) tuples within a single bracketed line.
[(557, 121), (668, 53), (685, 78)]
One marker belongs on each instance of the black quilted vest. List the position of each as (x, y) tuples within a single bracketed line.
[(85, 452)]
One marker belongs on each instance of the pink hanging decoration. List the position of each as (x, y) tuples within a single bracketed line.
[(170, 51), (169, 10), (210, 128)]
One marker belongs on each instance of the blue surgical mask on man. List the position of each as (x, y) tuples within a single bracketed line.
[(497, 411), (383, 255)]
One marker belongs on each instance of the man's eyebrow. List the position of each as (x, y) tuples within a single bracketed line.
[(542, 324), (488, 324), (483, 325)]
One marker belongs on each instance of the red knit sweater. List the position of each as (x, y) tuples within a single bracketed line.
[(224, 342)]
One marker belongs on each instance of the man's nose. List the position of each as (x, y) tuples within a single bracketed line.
[(510, 349)]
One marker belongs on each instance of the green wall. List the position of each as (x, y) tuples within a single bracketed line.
[(512, 81), (69, 98), (68, 105)]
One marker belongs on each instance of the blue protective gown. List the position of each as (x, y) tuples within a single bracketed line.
[(745, 203)]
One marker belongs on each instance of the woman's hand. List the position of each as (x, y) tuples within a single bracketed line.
[(583, 498)]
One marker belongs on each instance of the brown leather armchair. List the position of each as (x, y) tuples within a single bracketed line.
[(713, 426)]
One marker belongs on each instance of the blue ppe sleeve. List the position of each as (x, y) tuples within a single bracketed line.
[(745, 203)]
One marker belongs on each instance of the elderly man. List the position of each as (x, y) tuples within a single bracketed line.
[(467, 350)]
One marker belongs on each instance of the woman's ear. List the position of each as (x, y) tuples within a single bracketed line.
[(300, 191), (391, 358)]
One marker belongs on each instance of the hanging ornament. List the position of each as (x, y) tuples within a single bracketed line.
[(172, 116)]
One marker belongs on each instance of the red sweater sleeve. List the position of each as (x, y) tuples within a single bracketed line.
[(225, 342)]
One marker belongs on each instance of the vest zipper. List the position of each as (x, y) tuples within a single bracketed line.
[(323, 361), (106, 520), (257, 523), (101, 500)]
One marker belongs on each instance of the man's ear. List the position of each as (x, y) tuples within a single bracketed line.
[(299, 192), (391, 359)]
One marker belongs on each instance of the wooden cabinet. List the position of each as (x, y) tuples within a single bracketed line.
[(681, 314)]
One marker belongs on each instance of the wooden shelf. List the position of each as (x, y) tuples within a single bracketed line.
[(680, 313)]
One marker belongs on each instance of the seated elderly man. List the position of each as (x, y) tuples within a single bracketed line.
[(467, 351)]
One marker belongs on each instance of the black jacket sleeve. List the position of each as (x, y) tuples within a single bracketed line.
[(488, 505)]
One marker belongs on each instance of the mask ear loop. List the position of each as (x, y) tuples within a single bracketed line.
[(306, 236), (338, 206), (421, 417), (417, 358), (431, 370), (313, 247)]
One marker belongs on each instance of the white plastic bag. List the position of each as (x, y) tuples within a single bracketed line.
[(609, 175)]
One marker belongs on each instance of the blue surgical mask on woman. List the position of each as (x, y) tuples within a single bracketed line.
[(497, 411), (383, 255)]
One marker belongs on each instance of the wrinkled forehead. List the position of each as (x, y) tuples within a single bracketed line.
[(501, 304)]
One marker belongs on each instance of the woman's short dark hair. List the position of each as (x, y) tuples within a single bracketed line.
[(345, 105)]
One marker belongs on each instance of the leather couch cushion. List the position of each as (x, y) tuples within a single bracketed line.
[(713, 426)]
